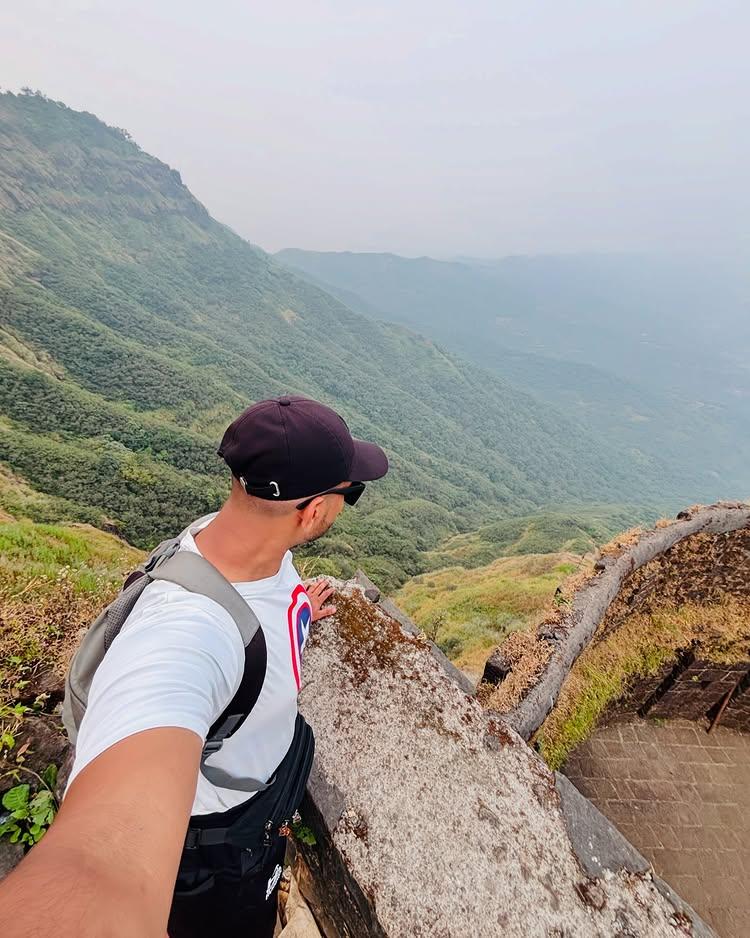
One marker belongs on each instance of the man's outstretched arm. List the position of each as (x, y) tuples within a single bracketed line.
[(108, 864)]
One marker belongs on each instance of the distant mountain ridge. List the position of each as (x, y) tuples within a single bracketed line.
[(133, 327), (648, 352)]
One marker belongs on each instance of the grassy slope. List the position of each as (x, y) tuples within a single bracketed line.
[(54, 580), (469, 612), (717, 632), (133, 327), (501, 577)]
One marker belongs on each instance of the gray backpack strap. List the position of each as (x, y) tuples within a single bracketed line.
[(120, 608), (195, 574), (223, 779)]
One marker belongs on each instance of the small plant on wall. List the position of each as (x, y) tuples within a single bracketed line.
[(26, 815), (27, 811)]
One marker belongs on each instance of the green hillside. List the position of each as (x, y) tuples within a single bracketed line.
[(133, 327), (469, 612), (648, 352), (579, 530), (483, 584)]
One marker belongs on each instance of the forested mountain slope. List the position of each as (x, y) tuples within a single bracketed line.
[(133, 327), (651, 352)]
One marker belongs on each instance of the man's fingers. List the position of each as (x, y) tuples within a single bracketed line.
[(318, 586), (321, 593), (326, 611)]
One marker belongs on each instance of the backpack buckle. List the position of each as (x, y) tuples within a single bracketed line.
[(158, 559), (212, 746)]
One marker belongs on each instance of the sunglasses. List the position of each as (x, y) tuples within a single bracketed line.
[(350, 492)]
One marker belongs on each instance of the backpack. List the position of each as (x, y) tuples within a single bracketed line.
[(194, 573)]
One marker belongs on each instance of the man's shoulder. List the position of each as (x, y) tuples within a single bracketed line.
[(168, 604), (289, 566)]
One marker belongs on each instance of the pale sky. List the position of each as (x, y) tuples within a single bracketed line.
[(422, 126)]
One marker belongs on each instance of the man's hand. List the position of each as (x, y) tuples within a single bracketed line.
[(318, 592)]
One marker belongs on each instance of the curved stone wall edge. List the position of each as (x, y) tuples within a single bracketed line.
[(590, 603)]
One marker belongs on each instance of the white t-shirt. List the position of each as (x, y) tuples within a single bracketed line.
[(178, 662)]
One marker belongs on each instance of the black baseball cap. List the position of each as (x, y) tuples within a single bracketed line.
[(293, 447)]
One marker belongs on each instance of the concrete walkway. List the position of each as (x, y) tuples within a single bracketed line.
[(682, 797)]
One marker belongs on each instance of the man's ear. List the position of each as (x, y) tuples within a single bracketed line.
[(310, 513)]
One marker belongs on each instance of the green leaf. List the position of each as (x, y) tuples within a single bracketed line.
[(17, 797), (29, 819), (7, 740), (50, 776), (42, 814), (304, 834)]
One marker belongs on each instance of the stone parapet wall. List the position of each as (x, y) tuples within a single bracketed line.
[(701, 568), (737, 714), (434, 819), (698, 687), (640, 690)]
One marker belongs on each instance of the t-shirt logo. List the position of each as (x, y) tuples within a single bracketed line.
[(299, 617)]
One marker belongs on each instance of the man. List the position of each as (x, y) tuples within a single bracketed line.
[(108, 864)]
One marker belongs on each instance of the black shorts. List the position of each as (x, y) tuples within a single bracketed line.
[(221, 891)]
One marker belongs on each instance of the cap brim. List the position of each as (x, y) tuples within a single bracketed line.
[(370, 462)]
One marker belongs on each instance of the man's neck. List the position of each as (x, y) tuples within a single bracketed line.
[(240, 548)]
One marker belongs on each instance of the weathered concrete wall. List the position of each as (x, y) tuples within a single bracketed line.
[(433, 818)]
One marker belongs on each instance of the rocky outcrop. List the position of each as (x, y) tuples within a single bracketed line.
[(433, 818), (294, 912)]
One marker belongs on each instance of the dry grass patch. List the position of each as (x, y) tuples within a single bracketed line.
[(718, 632), (469, 612), (528, 658), (622, 542), (53, 582)]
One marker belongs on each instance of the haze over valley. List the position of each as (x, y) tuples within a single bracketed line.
[(650, 352), (134, 327)]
